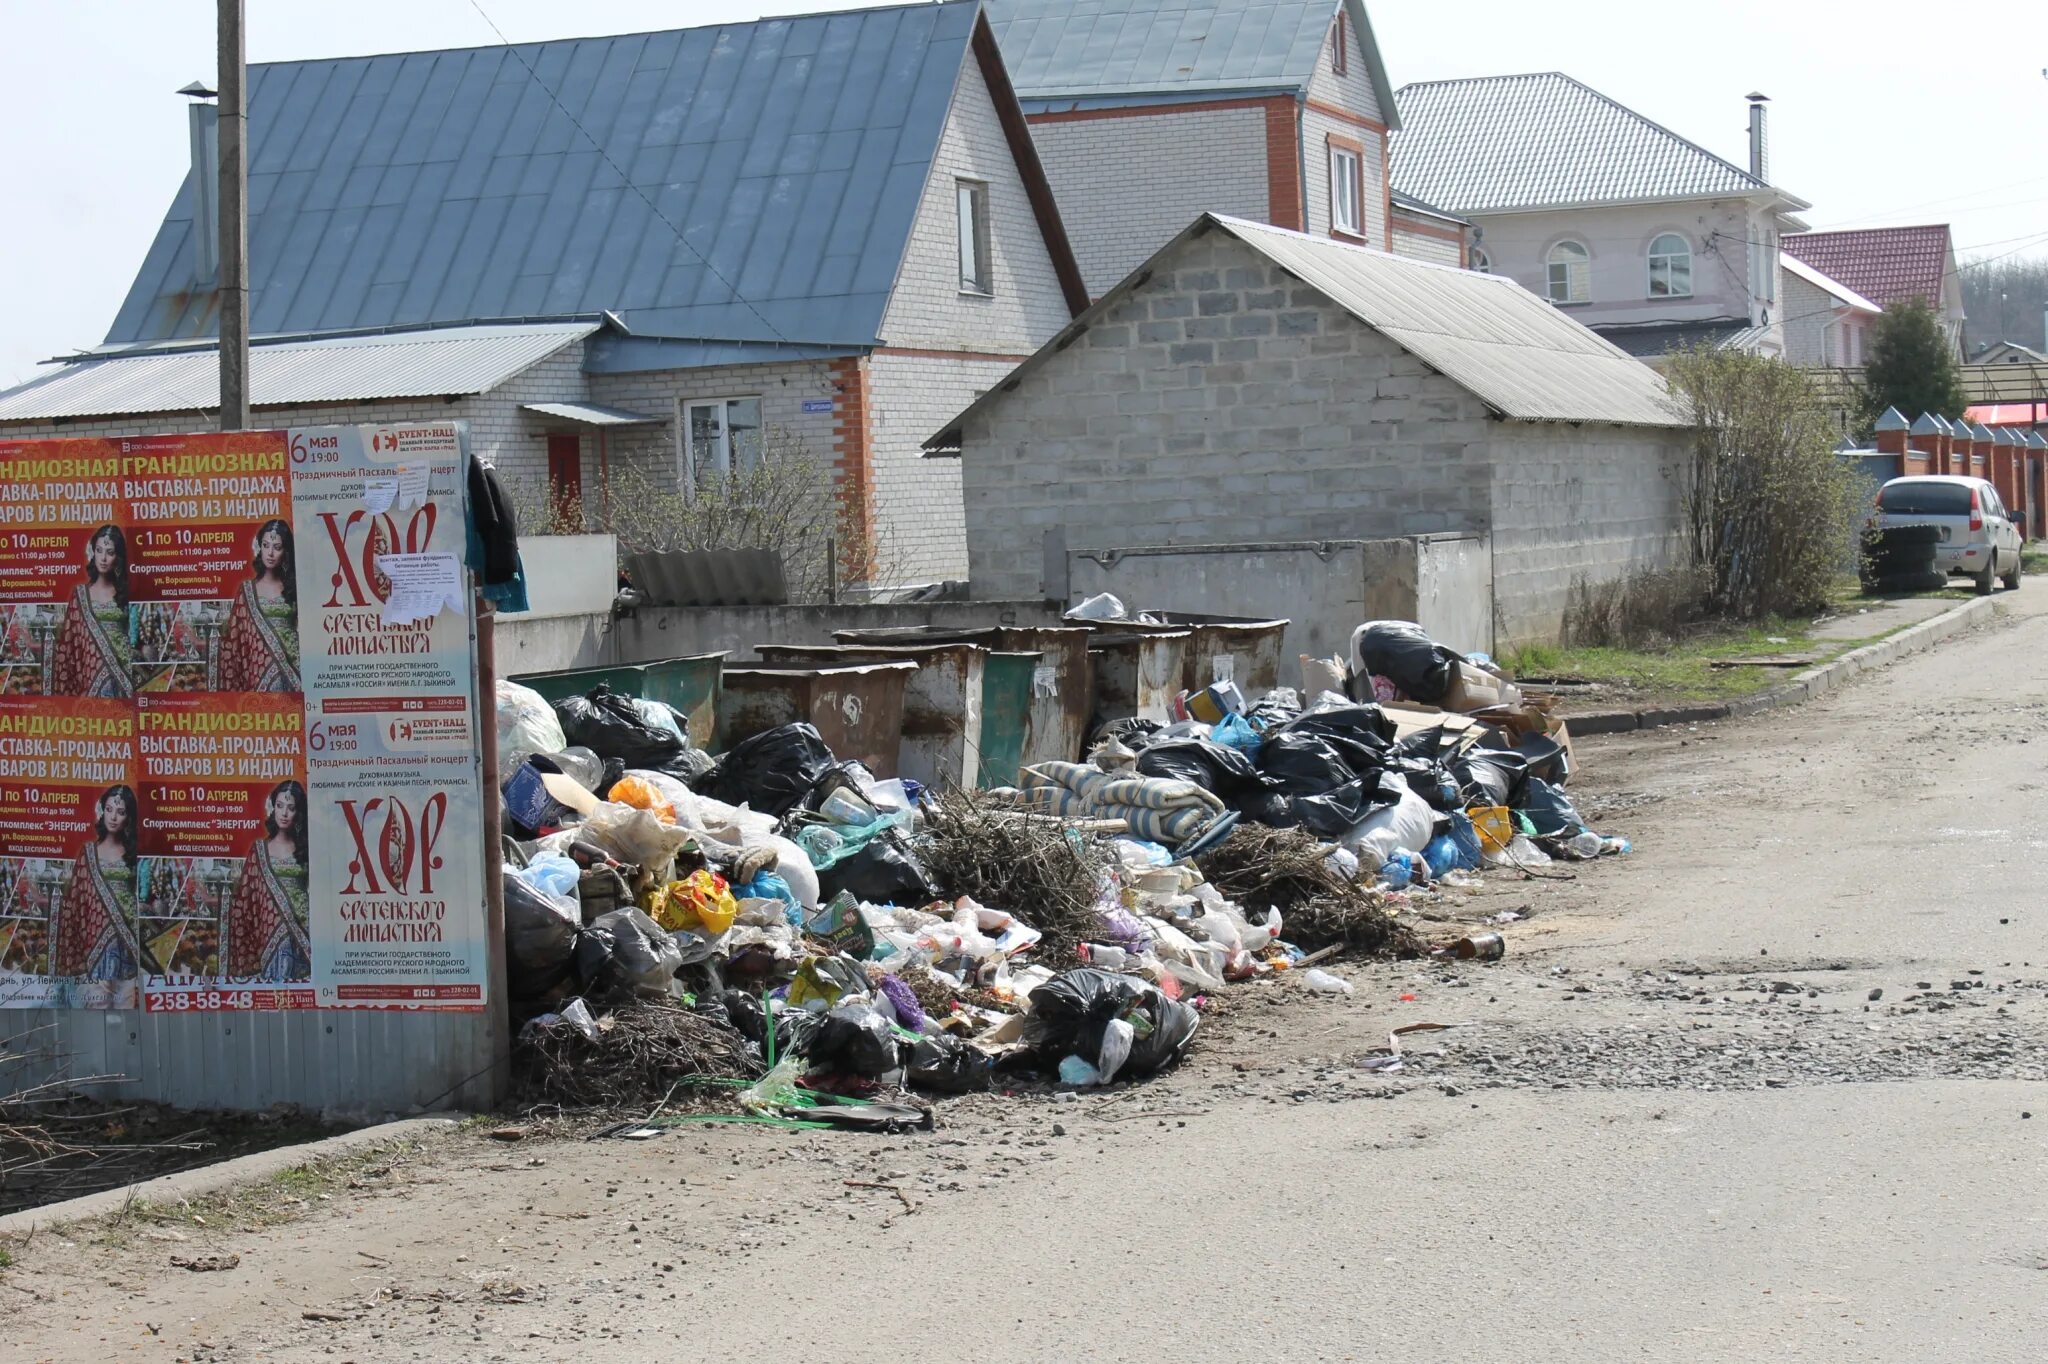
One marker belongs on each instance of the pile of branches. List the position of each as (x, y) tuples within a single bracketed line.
[(1030, 865), (56, 1144), (1258, 866), (642, 1050)]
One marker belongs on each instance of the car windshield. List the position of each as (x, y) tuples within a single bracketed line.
[(1925, 499)]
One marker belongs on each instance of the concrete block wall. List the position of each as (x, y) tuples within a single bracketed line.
[(1417, 245), (921, 526), (1126, 182), (1573, 503), (1026, 306), (1221, 402)]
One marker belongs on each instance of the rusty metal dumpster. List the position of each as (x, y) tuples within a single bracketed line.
[(858, 710), (1005, 715), (942, 702), (1138, 673), (1062, 682)]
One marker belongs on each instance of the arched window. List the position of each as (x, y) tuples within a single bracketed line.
[(1570, 273), (1480, 262), (1670, 267)]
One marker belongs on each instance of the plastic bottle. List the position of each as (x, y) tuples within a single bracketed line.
[(1322, 982), (1104, 957), (1586, 845)]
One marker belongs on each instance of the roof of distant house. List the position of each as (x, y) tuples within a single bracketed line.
[(1114, 51), (1884, 264), (1825, 283), (1648, 340), (748, 182), (1519, 355), (1500, 143)]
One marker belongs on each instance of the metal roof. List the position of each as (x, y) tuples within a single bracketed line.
[(1648, 340), (396, 190), (1089, 49), (1884, 264), (439, 362), (1827, 284), (1521, 356), (591, 414), (1501, 143)]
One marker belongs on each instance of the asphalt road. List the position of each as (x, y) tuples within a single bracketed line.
[(1673, 1125)]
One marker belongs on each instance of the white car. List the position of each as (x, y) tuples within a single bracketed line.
[(1978, 537)]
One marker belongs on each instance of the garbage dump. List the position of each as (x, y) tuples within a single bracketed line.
[(776, 935)]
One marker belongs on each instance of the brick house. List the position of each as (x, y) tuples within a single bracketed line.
[(1888, 265), (1643, 235), (1148, 112), (659, 252), (1249, 386)]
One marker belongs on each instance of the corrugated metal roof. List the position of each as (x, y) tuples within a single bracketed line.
[(1087, 49), (591, 414), (1825, 283), (1884, 264), (432, 363), (443, 186), (1499, 143), (1521, 356), (1648, 340)]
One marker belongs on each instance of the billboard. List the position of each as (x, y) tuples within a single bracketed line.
[(239, 765)]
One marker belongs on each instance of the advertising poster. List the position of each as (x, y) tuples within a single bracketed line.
[(64, 570), (69, 853), (391, 742)]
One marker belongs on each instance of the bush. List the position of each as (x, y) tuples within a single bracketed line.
[(1772, 513), (1649, 608)]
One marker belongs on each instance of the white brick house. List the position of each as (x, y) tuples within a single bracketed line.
[(1147, 112), (823, 232), (1252, 386)]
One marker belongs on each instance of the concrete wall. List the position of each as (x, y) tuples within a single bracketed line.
[(1221, 402), (1454, 590), (568, 575), (651, 633), (1575, 503), (1025, 306), (1618, 239), (1127, 183)]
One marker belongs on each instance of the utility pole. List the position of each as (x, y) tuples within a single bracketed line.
[(234, 222)]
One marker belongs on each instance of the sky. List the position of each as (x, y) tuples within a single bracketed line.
[(1883, 112)]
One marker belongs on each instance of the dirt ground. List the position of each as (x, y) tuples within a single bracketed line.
[(1772, 1085)]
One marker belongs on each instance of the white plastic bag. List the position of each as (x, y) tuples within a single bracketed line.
[(526, 725), (633, 835), (1406, 825), (1117, 1037), (1323, 983)]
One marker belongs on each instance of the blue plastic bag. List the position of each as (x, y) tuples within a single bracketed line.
[(770, 886), (1234, 731), (1399, 870)]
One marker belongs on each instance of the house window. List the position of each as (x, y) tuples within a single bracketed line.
[(1347, 189), (1569, 273), (1670, 267), (1481, 262), (1339, 56), (974, 239), (724, 438)]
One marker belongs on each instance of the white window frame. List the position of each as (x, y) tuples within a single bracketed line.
[(1347, 181), (690, 473), (1669, 264), (1578, 272), (972, 236)]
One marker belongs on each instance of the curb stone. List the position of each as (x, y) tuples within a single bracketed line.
[(1804, 686), (212, 1179)]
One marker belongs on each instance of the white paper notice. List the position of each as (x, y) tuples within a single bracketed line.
[(378, 494), (1045, 680), (421, 584), (412, 484)]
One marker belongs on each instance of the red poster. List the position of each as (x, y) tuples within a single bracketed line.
[(69, 853), (64, 570)]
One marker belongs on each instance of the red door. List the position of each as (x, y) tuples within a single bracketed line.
[(565, 471)]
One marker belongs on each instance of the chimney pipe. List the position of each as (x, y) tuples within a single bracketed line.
[(203, 121), (1759, 138)]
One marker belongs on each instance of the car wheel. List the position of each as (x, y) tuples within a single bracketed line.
[(2012, 579), (1987, 581)]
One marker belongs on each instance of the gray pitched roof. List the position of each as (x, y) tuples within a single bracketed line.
[(1067, 50), (1499, 143), (1521, 356), (499, 182)]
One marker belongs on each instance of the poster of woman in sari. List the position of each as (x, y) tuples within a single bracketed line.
[(95, 928), (92, 646), (260, 650), (264, 935)]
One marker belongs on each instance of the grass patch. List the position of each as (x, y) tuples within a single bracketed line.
[(1684, 669), (2034, 558)]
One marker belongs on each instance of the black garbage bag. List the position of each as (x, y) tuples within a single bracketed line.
[(1071, 1012), (540, 940), (1361, 722), (1403, 653), (947, 1065), (610, 726), (1302, 764), (625, 953), (1274, 809), (884, 872), (1336, 812), (689, 767), (1547, 758), (1132, 732), (854, 1040), (1275, 708), (1212, 766), (1551, 811), (1432, 781), (771, 772), (1492, 776), (1430, 745)]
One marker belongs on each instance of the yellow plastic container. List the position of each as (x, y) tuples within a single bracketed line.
[(1496, 826)]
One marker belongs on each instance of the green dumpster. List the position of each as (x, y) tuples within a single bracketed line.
[(691, 684), (1005, 715), (625, 679)]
